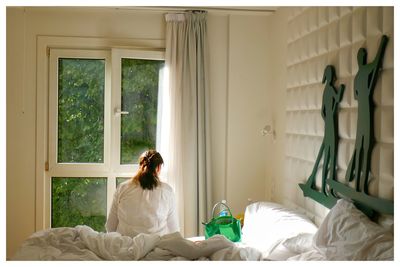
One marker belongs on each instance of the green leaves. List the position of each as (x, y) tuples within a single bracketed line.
[(140, 98), (81, 110), (77, 201)]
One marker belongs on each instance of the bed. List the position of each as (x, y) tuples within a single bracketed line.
[(270, 232), (346, 233)]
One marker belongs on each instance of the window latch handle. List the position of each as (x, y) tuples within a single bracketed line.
[(119, 112)]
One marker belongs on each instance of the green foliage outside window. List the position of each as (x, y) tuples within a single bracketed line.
[(79, 201), (81, 110), (139, 90), (120, 180)]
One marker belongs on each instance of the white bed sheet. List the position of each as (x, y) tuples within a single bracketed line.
[(348, 234), (83, 243), (345, 234), (280, 253), (267, 225)]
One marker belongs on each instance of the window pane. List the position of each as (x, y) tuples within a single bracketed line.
[(122, 179), (139, 96), (79, 201), (81, 110)]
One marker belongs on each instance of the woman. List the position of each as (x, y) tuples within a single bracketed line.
[(144, 204)]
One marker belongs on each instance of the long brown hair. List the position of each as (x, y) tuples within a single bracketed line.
[(147, 175)]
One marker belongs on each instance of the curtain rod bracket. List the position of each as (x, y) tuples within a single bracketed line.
[(195, 11)]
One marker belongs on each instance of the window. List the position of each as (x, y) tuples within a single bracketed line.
[(139, 94), (100, 120), (79, 201), (80, 111), (121, 180)]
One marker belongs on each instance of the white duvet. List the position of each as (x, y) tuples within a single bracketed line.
[(83, 243), (347, 234), (270, 232)]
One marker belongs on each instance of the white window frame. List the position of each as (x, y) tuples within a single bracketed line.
[(117, 56), (62, 169), (45, 168)]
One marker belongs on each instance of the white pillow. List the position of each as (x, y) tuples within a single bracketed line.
[(300, 243), (267, 224), (347, 234)]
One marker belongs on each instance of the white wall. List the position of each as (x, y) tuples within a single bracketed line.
[(247, 110), (276, 103), (237, 67), (20, 137)]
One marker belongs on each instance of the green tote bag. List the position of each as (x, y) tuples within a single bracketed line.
[(227, 226)]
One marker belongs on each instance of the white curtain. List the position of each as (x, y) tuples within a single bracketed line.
[(185, 144)]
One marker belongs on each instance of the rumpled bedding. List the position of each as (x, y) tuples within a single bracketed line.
[(83, 243), (270, 233), (347, 234)]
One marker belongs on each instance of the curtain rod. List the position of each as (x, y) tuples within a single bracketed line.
[(228, 9), (224, 10)]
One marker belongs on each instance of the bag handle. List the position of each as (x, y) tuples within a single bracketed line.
[(220, 203)]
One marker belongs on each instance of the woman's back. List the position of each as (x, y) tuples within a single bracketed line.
[(144, 204), (141, 210)]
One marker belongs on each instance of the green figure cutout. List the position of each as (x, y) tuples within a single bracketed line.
[(359, 165), (364, 84), (330, 101)]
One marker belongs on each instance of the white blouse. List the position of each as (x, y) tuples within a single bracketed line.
[(135, 210)]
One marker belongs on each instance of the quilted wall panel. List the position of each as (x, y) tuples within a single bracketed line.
[(318, 36)]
